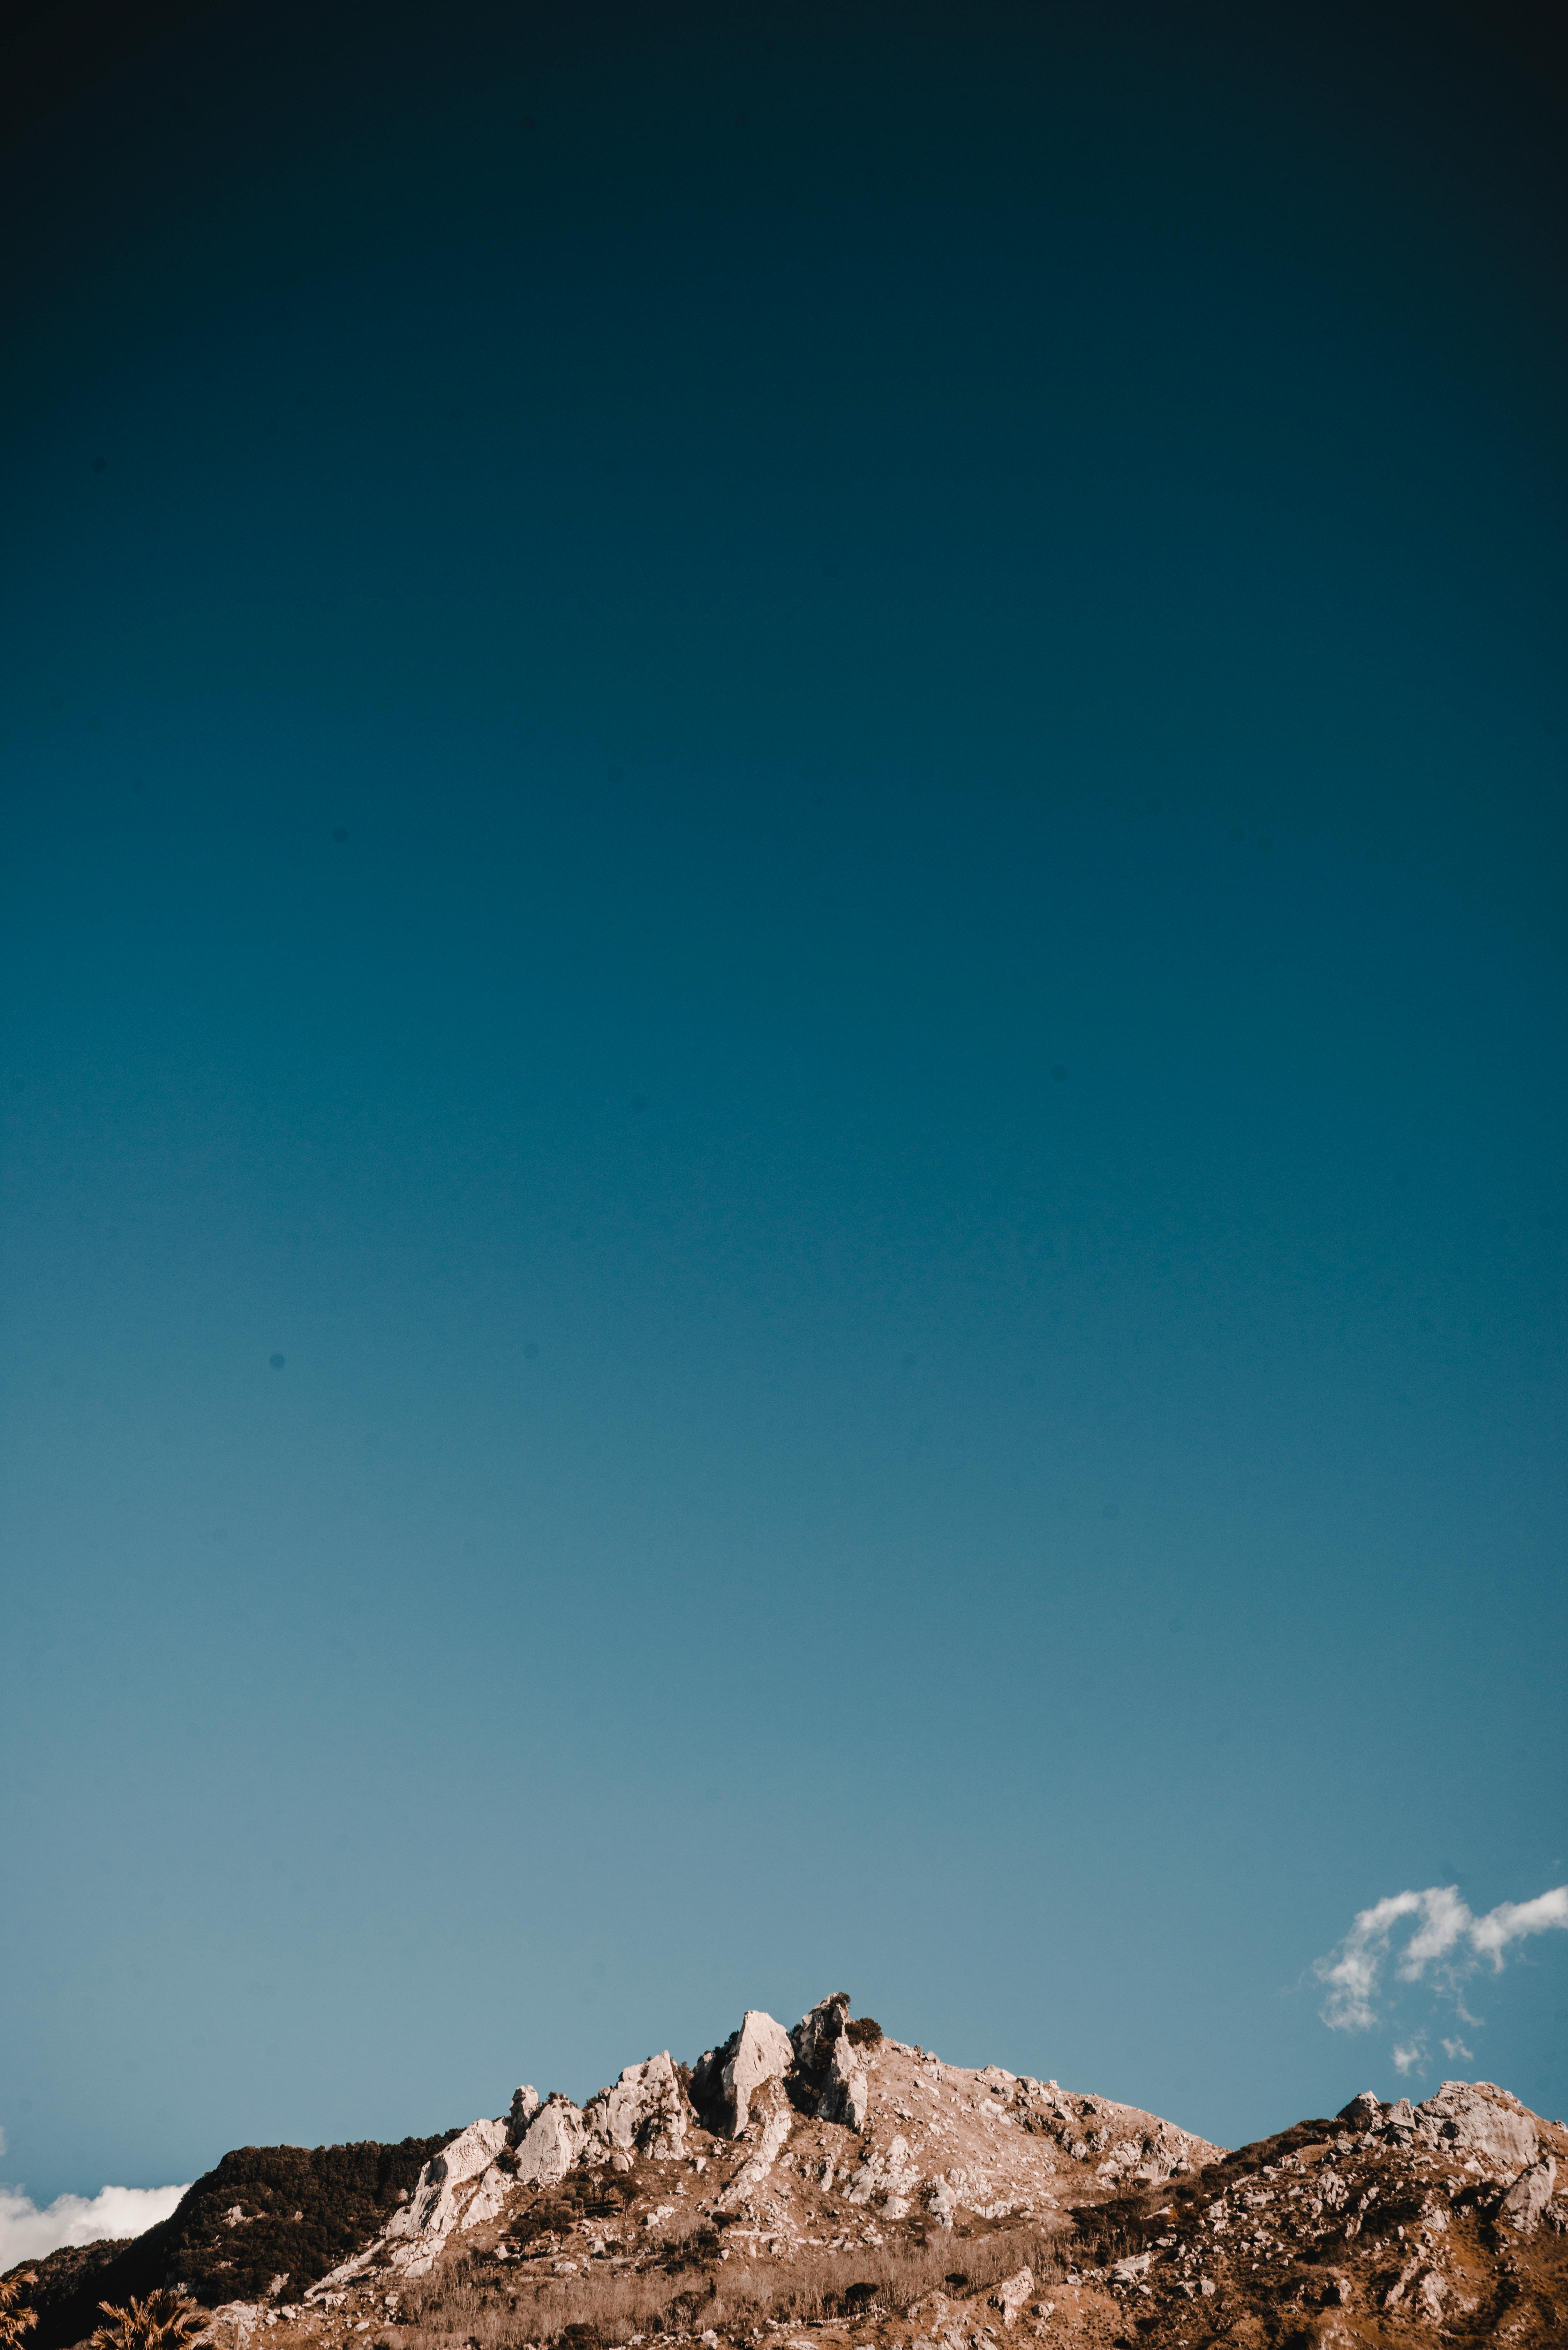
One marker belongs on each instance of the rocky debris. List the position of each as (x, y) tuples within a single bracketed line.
[(889, 2176), (555, 2139), (776, 2118), (1375, 2212), (645, 2112), (1118, 2142), (1528, 2196)]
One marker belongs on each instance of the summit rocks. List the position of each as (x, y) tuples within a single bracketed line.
[(1476, 2118), (645, 2112), (764, 2052), (554, 2140)]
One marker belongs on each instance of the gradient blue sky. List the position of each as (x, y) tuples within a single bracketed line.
[(792, 779)]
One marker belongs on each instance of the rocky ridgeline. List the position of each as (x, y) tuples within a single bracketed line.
[(831, 2186), (933, 2137)]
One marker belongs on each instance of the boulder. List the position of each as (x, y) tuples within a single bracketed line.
[(1477, 2118), (524, 2105), (553, 2143), (1136, 2266), (1431, 2293), (942, 2202), (645, 2110), (764, 2052), (1363, 2111), (1011, 2293), (1528, 2197)]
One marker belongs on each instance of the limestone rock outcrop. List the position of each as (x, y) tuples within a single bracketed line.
[(817, 2030), (1528, 2197), (846, 2094), (726, 2079), (772, 2118), (645, 2112), (420, 2230), (1480, 2118), (554, 2140)]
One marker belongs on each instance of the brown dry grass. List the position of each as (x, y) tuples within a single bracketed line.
[(475, 2303)]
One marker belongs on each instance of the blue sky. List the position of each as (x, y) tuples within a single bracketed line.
[(794, 786)]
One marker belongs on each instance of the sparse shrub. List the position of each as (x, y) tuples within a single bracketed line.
[(476, 2301), (863, 2032), (16, 2315), (164, 2321), (1113, 2229)]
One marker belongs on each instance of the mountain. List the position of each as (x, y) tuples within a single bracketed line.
[(832, 2188)]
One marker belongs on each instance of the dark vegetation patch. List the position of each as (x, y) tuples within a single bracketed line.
[(1116, 2229), (1128, 2223), (863, 2032), (1218, 2177), (302, 2209), (581, 2195)]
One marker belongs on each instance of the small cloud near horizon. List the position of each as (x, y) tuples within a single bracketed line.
[(1445, 1936), (29, 2233)]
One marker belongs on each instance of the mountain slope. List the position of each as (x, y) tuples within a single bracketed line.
[(831, 2186)]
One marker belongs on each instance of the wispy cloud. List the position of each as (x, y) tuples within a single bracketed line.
[(28, 2231), (1445, 1935)]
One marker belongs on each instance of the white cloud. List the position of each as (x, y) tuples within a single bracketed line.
[(1510, 1919), (1456, 2051), (1444, 1924), (1408, 2058), (27, 2232)]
